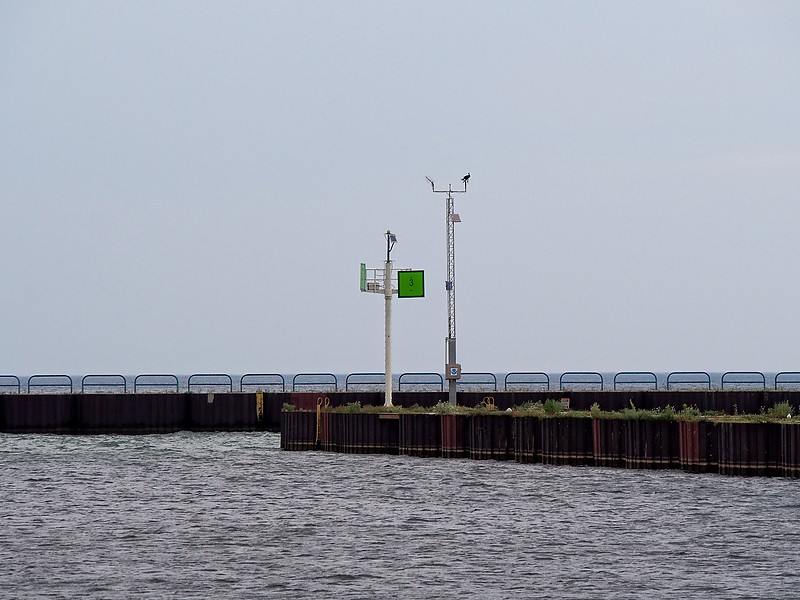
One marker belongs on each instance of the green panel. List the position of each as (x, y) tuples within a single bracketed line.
[(363, 277), (411, 284)]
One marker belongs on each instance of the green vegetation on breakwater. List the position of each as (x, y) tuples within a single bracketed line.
[(781, 412)]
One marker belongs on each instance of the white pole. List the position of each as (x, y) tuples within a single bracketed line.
[(387, 293)]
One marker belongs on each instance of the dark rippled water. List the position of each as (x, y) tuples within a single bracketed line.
[(195, 515)]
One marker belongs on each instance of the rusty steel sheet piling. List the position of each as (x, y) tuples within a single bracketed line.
[(651, 444), (740, 401), (609, 442), (223, 411), (698, 446), (364, 433), (749, 448), (389, 433), (131, 413), (39, 413), (299, 430), (455, 436), (273, 405), (639, 399), (567, 441), (491, 437), (329, 438), (790, 450), (307, 400), (732, 447), (420, 435), (527, 440)]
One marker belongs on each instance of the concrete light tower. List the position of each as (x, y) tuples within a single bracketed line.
[(452, 368)]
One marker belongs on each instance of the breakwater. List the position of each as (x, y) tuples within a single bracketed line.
[(317, 420), (732, 443), (721, 446), (167, 412)]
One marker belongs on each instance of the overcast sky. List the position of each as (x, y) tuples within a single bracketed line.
[(190, 186)]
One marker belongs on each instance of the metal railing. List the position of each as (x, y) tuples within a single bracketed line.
[(696, 378), (792, 377), (319, 384), (478, 379), (378, 384), (543, 379), (744, 379), (414, 381), (582, 378), (222, 380), (636, 379), (16, 383), (117, 381), (433, 379), (147, 383), (265, 377), (33, 382)]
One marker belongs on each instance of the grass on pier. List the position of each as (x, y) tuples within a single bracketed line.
[(781, 412)]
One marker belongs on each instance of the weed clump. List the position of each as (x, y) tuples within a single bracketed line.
[(782, 410), (656, 414), (553, 407), (595, 412), (690, 412), (445, 408), (381, 409), (529, 408)]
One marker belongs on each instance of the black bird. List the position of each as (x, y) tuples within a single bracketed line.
[(465, 178)]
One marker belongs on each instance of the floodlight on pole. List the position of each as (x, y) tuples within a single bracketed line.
[(452, 368), (391, 240)]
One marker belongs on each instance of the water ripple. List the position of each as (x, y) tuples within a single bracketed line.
[(196, 515)]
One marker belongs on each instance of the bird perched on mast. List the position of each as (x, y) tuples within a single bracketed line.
[(465, 178)]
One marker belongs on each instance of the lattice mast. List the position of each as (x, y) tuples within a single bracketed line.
[(450, 284)]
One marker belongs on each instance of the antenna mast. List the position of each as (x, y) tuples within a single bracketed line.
[(453, 369)]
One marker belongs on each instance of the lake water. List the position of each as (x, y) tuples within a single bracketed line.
[(201, 515)]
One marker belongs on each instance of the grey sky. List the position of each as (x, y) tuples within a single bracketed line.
[(191, 186)]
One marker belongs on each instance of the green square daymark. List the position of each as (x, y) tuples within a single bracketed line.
[(411, 284)]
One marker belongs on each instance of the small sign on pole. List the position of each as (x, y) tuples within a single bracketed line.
[(452, 371), (411, 284)]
